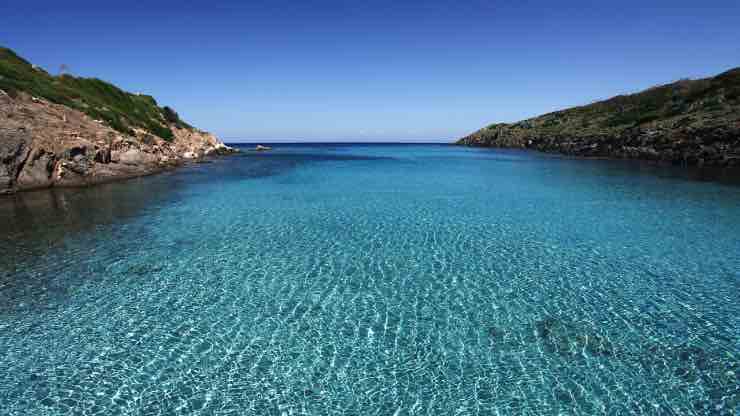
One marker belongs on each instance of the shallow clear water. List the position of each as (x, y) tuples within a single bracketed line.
[(348, 280)]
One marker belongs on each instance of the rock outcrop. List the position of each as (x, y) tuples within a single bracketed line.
[(73, 131), (43, 144), (14, 149), (686, 123)]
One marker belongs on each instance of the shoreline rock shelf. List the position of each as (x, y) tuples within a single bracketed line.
[(36, 153), (69, 131)]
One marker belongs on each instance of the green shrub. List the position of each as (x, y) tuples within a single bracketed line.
[(733, 94), (648, 117)]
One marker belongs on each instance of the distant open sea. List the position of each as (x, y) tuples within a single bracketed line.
[(337, 279)]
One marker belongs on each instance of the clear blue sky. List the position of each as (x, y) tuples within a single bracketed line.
[(384, 70)]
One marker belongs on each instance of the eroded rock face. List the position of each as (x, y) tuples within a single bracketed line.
[(43, 144), (14, 149), (37, 171), (77, 160), (136, 157), (103, 155)]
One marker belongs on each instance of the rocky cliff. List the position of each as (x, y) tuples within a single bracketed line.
[(689, 122), (49, 136)]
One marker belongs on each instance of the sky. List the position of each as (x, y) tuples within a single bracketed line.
[(374, 70)]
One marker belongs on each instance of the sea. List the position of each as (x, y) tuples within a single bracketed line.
[(375, 279)]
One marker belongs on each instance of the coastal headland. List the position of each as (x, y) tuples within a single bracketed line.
[(688, 122), (71, 131)]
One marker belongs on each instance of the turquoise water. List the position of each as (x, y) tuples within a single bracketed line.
[(374, 280)]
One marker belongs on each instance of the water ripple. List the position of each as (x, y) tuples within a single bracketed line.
[(397, 282)]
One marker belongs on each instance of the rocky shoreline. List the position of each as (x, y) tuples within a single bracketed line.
[(718, 147), (44, 145), (688, 123)]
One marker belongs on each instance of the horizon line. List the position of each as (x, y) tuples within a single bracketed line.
[(257, 141)]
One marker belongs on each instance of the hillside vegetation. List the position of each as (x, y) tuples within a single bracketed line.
[(686, 122), (100, 100), (72, 131)]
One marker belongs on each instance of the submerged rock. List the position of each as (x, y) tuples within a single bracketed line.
[(566, 338), (493, 332), (143, 269), (691, 365)]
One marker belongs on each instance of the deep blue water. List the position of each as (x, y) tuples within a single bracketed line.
[(374, 280)]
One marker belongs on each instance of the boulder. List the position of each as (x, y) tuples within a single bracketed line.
[(36, 173), (220, 149), (76, 160), (103, 155), (14, 149), (134, 157)]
